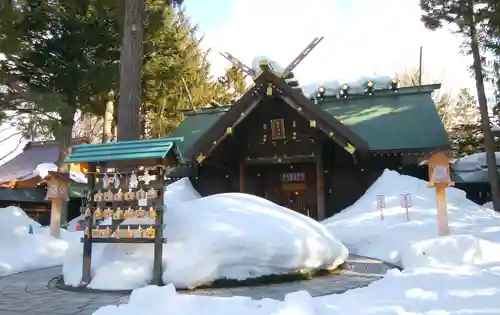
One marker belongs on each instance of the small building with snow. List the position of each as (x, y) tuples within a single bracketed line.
[(316, 155), (20, 178)]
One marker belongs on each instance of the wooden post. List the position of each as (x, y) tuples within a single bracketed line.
[(55, 218), (242, 178), (64, 213), (158, 244), (439, 178), (320, 184), (442, 210), (87, 238)]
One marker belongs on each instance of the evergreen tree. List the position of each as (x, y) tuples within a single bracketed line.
[(468, 17), (231, 86), (83, 65), (69, 67), (464, 125), (176, 73)]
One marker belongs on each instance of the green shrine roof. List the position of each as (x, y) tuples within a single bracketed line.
[(387, 121), (37, 194), (126, 150), (195, 124), (23, 195)]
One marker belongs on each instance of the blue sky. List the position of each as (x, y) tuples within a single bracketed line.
[(215, 14), (209, 13), (362, 37)]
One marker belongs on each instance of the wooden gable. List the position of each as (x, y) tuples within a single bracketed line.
[(270, 88)]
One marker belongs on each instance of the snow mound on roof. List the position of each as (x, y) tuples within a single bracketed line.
[(43, 170), (473, 168), (332, 87), (232, 235), (363, 231), (273, 64)]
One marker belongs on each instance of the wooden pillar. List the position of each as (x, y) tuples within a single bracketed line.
[(320, 183), (439, 178), (55, 218), (158, 244), (242, 178), (64, 212), (442, 211), (87, 237)]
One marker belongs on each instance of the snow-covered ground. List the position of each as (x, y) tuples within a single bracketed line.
[(454, 275), (361, 229), (224, 236), (236, 235), (21, 251)]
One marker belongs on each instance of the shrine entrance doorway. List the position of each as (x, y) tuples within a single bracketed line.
[(289, 185)]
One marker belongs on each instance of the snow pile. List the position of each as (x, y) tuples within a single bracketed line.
[(452, 251), (363, 231), (232, 236), (179, 192), (489, 205), (423, 291), (73, 224), (459, 276), (155, 300), (451, 275), (21, 251)]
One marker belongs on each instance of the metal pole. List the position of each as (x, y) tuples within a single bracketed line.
[(420, 68)]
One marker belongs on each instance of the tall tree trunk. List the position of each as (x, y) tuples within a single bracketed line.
[(129, 102), (59, 214), (64, 136), (489, 145)]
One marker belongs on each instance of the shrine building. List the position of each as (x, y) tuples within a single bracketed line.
[(20, 181), (314, 155)]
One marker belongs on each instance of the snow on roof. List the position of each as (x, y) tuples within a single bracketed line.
[(332, 87), (273, 64), (473, 168), (473, 162)]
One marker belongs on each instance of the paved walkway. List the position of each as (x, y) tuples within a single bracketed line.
[(30, 292)]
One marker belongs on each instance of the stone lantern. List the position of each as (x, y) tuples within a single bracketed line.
[(57, 192)]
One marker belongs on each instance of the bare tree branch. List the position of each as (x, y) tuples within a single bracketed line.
[(13, 150), (10, 136), (6, 128)]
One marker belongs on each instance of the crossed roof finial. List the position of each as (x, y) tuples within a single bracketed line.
[(253, 73)]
